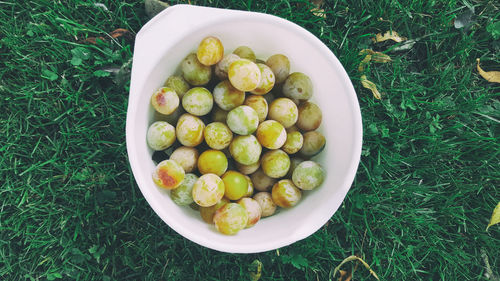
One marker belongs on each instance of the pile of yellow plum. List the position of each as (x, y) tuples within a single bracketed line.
[(231, 160)]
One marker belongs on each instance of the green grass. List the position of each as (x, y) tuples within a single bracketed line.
[(426, 185)]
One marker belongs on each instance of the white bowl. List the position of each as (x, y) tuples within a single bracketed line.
[(159, 48)]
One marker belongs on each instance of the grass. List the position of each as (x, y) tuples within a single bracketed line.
[(426, 185)]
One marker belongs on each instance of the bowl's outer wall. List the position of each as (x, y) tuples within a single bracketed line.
[(160, 47)]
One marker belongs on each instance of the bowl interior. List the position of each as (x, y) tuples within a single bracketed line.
[(341, 125)]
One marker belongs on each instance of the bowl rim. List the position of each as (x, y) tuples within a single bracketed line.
[(222, 15)]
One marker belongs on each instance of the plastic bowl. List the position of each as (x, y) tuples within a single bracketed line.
[(159, 48)]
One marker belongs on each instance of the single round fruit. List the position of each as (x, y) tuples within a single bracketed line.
[(160, 136), (210, 51), (271, 134), (253, 209), (183, 194), (165, 100), (190, 130), (314, 143), (294, 142), (230, 218), (218, 135), (261, 181), (244, 75), (259, 104), (212, 162), (298, 86), (178, 84), (266, 80), (207, 213), (187, 157), (228, 97), (309, 116), (208, 190), (275, 163), (248, 169), (219, 115), (245, 149), (198, 101), (284, 111), (222, 67), (280, 65), (266, 203), (245, 52), (285, 194), (249, 192), (243, 120), (236, 185), (168, 174), (308, 175), (195, 72)]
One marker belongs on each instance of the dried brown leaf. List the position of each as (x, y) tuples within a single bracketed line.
[(371, 86), (355, 258), (119, 32), (495, 216), (389, 35), (92, 40), (345, 276), (490, 76)]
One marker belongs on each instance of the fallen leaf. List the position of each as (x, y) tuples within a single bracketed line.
[(405, 46), (318, 12), (93, 40), (370, 85), (353, 258), (255, 270), (119, 32), (490, 76), (364, 62), (495, 216), (389, 35), (376, 56), (345, 276)]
